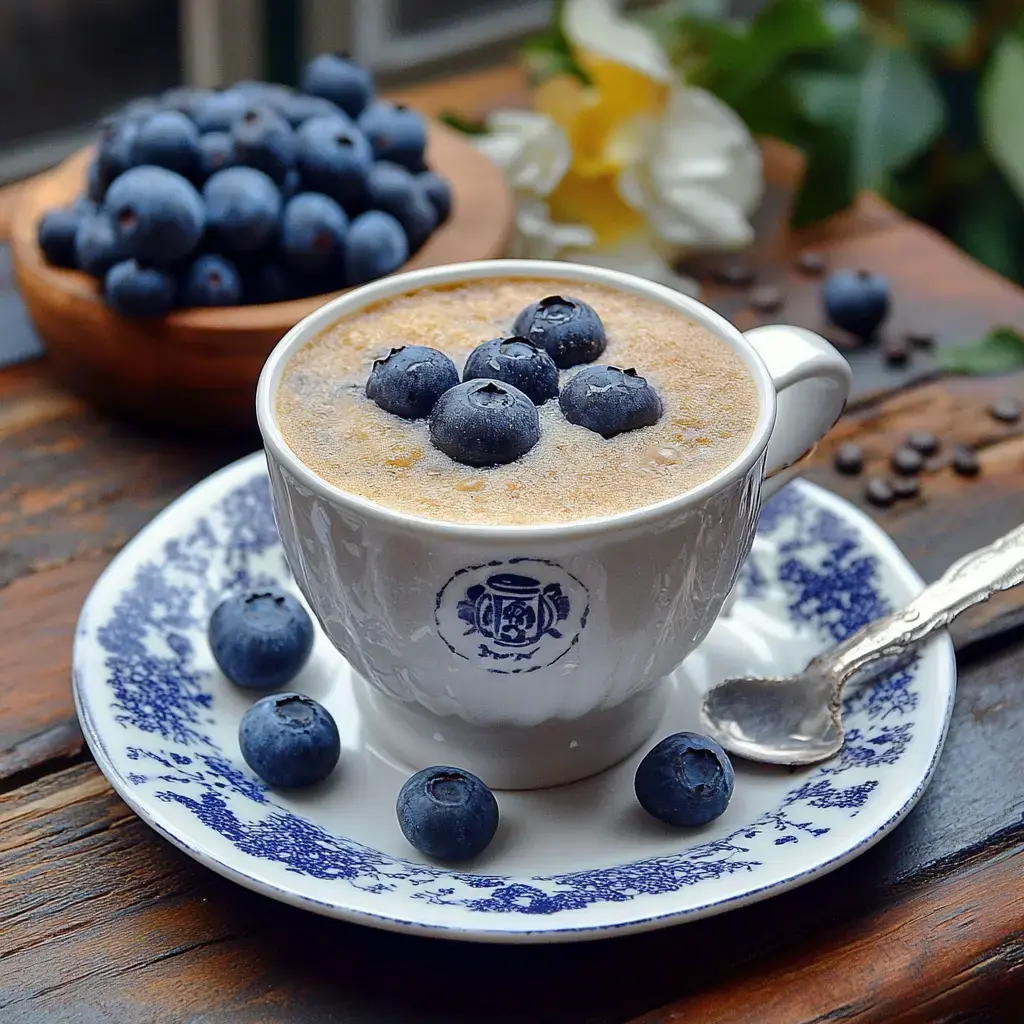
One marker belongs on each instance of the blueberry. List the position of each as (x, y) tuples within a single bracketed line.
[(140, 108), (185, 99), (289, 740), (56, 236), (114, 149), (292, 184), (408, 381), (261, 640), (685, 780), (265, 140), (484, 423), (447, 813), (96, 182), (299, 108), (396, 133), (243, 209), (856, 300), (340, 80), (516, 361), (84, 206), (219, 111), (569, 329), (264, 92), (134, 290), (313, 231), (211, 281), (97, 247), (335, 158), (394, 190), (157, 215), (168, 139), (376, 245), (438, 192), (609, 400), (268, 282), (216, 152)]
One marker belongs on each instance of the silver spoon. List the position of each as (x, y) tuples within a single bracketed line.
[(798, 719)]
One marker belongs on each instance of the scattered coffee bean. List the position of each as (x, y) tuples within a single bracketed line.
[(965, 461), (923, 441), (905, 487), (1006, 410), (879, 493), (906, 461), (895, 351), (812, 262), (737, 274), (848, 459), (920, 339), (767, 298)]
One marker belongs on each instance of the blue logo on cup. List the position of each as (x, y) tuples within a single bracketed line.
[(515, 616)]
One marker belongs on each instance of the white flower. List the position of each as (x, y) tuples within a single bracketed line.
[(598, 27), (697, 174), (675, 154), (529, 147)]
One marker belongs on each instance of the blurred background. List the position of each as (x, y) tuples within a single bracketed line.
[(904, 97), (65, 62)]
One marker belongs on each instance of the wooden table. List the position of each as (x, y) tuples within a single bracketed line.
[(101, 920)]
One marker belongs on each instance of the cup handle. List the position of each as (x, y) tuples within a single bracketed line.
[(812, 381)]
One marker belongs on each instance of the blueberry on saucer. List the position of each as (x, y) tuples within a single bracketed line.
[(685, 780), (260, 640), (289, 740), (408, 381), (609, 400), (516, 361), (569, 329), (447, 813), (484, 423)]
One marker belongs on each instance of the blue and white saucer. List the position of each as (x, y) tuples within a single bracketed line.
[(575, 862)]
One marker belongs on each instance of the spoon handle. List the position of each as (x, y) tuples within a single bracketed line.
[(967, 582)]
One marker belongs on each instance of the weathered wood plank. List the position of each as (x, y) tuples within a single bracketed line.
[(37, 623)]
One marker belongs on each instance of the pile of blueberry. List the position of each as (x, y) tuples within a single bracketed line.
[(262, 640), (257, 193), (490, 418)]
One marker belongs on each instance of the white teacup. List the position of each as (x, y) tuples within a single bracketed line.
[(418, 606)]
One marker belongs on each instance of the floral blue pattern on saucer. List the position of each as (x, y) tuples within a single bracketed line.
[(579, 861)]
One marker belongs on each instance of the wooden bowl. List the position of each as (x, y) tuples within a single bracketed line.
[(197, 368)]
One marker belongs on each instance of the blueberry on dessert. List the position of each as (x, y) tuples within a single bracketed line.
[(261, 640), (609, 400), (685, 780), (484, 423), (408, 381), (569, 329), (289, 740), (516, 361), (447, 813)]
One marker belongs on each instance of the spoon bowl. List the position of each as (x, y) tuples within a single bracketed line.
[(798, 719)]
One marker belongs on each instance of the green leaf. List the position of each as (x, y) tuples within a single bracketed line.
[(744, 59), (826, 187), (549, 54), (987, 221), (462, 124), (936, 24), (1000, 351), (889, 111), (1002, 110)]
